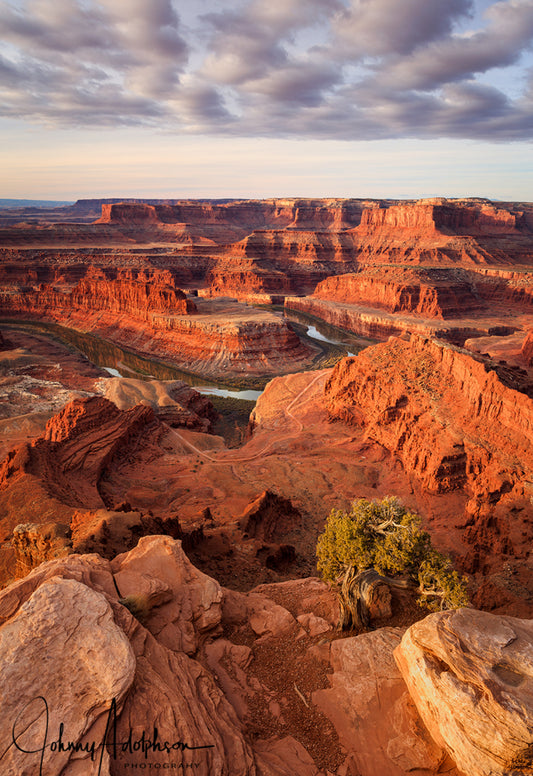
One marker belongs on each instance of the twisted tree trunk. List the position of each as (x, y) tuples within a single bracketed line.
[(365, 596)]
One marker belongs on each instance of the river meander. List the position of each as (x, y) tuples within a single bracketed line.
[(123, 363)]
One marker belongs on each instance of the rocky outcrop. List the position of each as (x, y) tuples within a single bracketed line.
[(372, 710), (135, 294), (173, 401), (104, 531), (243, 279), (428, 292), (270, 517), (165, 687), (33, 544), (59, 472), (470, 675), (527, 348), (306, 247), (445, 413), (43, 706), (280, 262), (250, 683), (168, 665), (444, 217), (443, 232)]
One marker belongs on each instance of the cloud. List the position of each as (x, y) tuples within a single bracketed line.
[(375, 28), (455, 57), (245, 45), (343, 69), (297, 83), (131, 49)]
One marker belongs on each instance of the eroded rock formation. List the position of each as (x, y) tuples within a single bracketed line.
[(427, 402), (470, 675), (257, 682), (431, 293), (59, 472), (147, 313)]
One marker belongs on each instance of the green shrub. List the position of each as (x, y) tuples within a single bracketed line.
[(386, 536)]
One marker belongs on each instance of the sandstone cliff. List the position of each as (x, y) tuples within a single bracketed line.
[(527, 348), (146, 312), (459, 425), (428, 402), (244, 214), (429, 292), (443, 233), (447, 218), (136, 294)]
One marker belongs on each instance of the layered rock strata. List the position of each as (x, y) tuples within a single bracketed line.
[(470, 675), (135, 294), (147, 313), (444, 233), (379, 324), (56, 474), (428, 292), (442, 217), (449, 416)]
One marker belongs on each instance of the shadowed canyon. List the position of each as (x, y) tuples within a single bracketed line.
[(187, 389)]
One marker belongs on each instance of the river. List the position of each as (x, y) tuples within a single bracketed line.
[(122, 363)]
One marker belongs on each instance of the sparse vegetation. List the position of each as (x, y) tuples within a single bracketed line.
[(138, 605), (234, 415), (386, 537)]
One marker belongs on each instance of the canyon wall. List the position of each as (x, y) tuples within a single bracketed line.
[(449, 417), (245, 214), (448, 218), (429, 292), (379, 324), (444, 233), (146, 312)]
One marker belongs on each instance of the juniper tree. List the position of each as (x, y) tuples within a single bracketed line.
[(381, 543)]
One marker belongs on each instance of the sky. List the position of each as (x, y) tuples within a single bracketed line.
[(266, 98)]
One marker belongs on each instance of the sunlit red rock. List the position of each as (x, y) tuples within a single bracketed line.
[(470, 675), (174, 659), (427, 402)]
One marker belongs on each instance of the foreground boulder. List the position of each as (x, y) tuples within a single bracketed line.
[(470, 675), (64, 661), (143, 662), (372, 710)]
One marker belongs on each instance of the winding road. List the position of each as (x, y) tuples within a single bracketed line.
[(297, 401)]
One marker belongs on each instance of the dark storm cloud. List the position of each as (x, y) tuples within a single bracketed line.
[(345, 69)]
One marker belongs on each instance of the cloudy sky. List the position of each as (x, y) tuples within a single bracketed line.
[(259, 98)]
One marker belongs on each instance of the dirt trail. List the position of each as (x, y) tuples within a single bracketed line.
[(261, 453)]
